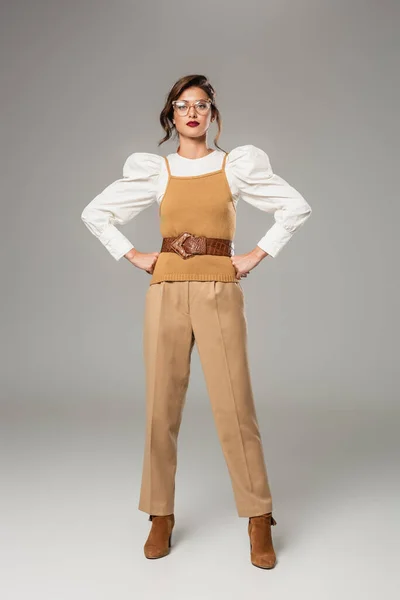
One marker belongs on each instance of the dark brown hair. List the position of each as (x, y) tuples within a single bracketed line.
[(182, 84)]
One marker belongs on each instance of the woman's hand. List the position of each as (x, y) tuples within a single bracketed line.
[(244, 263), (142, 260)]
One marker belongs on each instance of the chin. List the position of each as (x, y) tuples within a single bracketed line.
[(196, 133)]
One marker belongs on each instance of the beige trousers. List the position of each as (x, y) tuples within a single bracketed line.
[(212, 313)]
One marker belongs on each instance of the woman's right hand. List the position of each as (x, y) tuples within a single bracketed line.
[(142, 260)]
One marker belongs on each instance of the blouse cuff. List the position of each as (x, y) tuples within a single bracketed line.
[(115, 242), (275, 239)]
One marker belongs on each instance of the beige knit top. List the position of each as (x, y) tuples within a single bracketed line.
[(201, 205)]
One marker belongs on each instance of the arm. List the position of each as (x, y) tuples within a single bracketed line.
[(257, 184), (121, 201)]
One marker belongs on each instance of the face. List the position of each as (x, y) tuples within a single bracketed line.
[(191, 95)]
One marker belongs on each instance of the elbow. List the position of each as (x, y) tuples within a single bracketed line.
[(304, 211), (304, 216), (89, 219), (89, 216), (298, 217)]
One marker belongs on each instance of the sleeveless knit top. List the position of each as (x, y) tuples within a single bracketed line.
[(200, 205)]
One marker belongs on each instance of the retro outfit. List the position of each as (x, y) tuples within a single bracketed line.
[(195, 296)]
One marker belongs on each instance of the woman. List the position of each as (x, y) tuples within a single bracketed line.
[(195, 295)]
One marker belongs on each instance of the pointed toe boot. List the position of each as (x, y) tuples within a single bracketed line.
[(158, 543), (262, 553)]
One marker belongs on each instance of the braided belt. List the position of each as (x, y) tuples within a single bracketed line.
[(187, 244)]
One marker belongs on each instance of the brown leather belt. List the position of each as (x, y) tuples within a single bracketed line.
[(187, 245)]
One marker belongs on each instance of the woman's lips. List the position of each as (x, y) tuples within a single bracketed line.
[(192, 124)]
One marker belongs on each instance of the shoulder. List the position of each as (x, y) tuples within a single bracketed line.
[(143, 164), (247, 157)]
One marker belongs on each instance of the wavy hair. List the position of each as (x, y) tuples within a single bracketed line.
[(166, 115)]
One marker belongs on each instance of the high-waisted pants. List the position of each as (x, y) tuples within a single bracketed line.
[(212, 314)]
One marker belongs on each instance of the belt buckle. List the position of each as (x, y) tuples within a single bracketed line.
[(177, 245)]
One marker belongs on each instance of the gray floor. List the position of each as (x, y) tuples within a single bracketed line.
[(70, 527)]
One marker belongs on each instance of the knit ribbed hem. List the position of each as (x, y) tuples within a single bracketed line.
[(195, 277)]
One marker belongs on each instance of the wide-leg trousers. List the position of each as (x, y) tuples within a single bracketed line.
[(211, 313)]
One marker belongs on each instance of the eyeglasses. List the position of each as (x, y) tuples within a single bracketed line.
[(182, 106)]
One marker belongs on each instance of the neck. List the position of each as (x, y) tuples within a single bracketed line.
[(193, 148)]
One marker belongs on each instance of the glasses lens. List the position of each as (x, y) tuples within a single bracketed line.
[(181, 108), (202, 107)]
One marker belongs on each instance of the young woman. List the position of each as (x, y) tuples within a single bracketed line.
[(195, 295)]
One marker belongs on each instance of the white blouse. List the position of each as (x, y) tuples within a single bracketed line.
[(144, 181)]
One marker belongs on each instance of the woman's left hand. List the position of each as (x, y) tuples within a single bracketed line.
[(244, 263)]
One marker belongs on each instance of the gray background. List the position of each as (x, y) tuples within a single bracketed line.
[(315, 85)]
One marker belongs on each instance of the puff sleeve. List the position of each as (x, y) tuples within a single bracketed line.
[(250, 169), (123, 200)]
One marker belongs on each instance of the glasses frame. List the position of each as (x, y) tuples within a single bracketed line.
[(190, 104)]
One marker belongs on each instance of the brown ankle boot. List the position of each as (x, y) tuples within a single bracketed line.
[(159, 541), (262, 552)]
